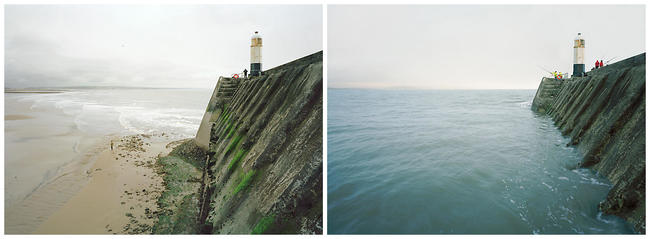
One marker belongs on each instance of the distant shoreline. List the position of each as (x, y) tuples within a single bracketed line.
[(35, 91), (47, 90)]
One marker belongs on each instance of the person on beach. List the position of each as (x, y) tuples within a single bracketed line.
[(111, 145)]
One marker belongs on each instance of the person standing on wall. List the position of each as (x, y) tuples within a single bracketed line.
[(597, 64), (245, 73)]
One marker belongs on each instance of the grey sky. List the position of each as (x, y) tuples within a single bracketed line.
[(150, 45), (472, 47)]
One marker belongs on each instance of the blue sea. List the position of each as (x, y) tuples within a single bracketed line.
[(455, 161)]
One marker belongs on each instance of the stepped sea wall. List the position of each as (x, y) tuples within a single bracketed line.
[(221, 96), (604, 115), (261, 159)]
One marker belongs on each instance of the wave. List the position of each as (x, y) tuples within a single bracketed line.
[(525, 104), (182, 122), (100, 112)]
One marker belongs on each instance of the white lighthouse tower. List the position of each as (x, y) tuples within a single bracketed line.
[(579, 56), (256, 54)]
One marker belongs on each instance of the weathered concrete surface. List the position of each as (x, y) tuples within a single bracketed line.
[(604, 114), (263, 172), (548, 89), (222, 94)]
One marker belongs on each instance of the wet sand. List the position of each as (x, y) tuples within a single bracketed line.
[(46, 157), (17, 117), (24, 215), (120, 197)]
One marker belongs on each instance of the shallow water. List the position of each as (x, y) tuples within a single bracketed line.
[(455, 162)]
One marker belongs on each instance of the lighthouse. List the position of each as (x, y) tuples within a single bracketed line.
[(579, 56), (256, 54)]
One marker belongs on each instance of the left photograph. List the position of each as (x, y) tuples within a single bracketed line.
[(163, 119)]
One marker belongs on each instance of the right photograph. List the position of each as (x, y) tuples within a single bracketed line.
[(486, 119)]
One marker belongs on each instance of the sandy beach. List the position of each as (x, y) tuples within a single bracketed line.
[(120, 196), (57, 151), (17, 117), (46, 157)]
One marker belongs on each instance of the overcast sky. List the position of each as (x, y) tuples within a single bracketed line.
[(150, 45), (472, 47)]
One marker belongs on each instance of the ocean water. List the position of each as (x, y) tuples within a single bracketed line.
[(126, 111), (54, 131), (459, 162)]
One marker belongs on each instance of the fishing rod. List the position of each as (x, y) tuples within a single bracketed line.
[(557, 75), (545, 70), (550, 72), (607, 62)]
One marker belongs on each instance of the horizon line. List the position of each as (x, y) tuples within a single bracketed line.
[(96, 87), (398, 88)]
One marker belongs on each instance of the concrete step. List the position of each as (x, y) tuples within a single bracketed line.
[(227, 88), (225, 91), (550, 90)]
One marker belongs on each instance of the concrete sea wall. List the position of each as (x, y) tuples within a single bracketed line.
[(604, 115), (221, 96), (256, 163), (259, 154)]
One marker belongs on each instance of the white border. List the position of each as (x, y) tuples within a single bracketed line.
[(324, 120), (324, 4)]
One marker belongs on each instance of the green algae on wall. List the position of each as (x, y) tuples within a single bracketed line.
[(258, 154), (265, 154), (264, 224), (604, 115), (179, 200)]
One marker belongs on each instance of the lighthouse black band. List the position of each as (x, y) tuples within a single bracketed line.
[(578, 69), (256, 69)]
